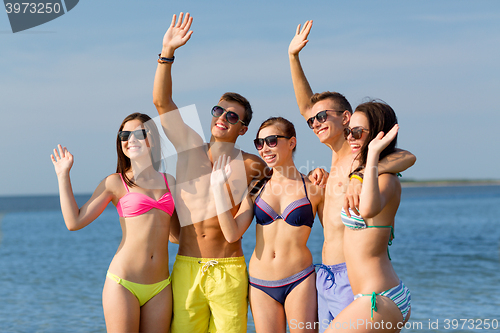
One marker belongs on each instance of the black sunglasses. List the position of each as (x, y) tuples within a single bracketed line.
[(271, 141), (231, 117), (320, 117), (356, 132), (140, 134)]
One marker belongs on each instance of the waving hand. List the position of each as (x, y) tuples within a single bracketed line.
[(381, 141), (300, 39), (62, 160), (221, 171), (178, 33)]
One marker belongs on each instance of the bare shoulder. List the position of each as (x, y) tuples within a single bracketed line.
[(170, 179), (389, 181), (113, 185), (113, 181), (251, 158), (254, 165)]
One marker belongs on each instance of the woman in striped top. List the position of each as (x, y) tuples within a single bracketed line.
[(381, 301)]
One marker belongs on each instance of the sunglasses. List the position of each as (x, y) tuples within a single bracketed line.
[(356, 132), (231, 117), (320, 117), (140, 134), (271, 141)]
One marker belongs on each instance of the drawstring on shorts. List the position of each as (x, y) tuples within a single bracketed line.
[(207, 265), (330, 277)]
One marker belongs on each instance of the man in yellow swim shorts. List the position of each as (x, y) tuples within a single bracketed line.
[(209, 278)]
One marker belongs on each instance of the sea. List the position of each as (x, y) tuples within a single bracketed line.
[(446, 251)]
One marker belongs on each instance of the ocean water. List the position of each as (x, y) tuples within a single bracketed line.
[(446, 251)]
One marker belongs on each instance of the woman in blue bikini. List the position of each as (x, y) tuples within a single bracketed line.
[(137, 295), (282, 277), (381, 302)]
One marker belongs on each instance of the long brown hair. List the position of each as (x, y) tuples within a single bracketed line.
[(381, 117), (152, 140)]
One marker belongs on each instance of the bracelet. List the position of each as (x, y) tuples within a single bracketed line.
[(357, 177), (357, 173), (163, 60)]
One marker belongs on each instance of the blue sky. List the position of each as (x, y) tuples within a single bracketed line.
[(74, 79)]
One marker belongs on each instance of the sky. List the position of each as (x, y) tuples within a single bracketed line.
[(74, 79)]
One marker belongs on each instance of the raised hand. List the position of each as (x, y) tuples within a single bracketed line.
[(62, 160), (221, 171), (300, 39), (381, 141), (178, 33)]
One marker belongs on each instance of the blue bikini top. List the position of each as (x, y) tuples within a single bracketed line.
[(297, 213)]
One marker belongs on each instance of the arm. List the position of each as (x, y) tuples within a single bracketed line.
[(303, 91), (232, 227), (74, 217), (396, 162), (321, 206), (175, 228), (175, 225), (317, 196), (373, 199), (181, 135)]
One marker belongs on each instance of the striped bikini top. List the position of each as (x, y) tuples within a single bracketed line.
[(297, 213), (356, 222), (135, 204)]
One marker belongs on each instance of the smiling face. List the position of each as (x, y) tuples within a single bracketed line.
[(358, 120), (135, 148), (224, 131), (332, 129), (279, 155)]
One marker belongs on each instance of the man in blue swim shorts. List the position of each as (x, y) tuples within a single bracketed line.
[(327, 114)]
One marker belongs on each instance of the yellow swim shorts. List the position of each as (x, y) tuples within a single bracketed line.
[(210, 295)]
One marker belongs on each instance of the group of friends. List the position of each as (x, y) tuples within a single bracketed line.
[(217, 192)]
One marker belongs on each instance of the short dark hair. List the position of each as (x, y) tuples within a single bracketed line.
[(338, 98), (235, 97), (381, 118)]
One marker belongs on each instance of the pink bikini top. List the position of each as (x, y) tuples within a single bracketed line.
[(135, 204)]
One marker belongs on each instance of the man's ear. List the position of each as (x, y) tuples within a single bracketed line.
[(243, 130), (346, 118)]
